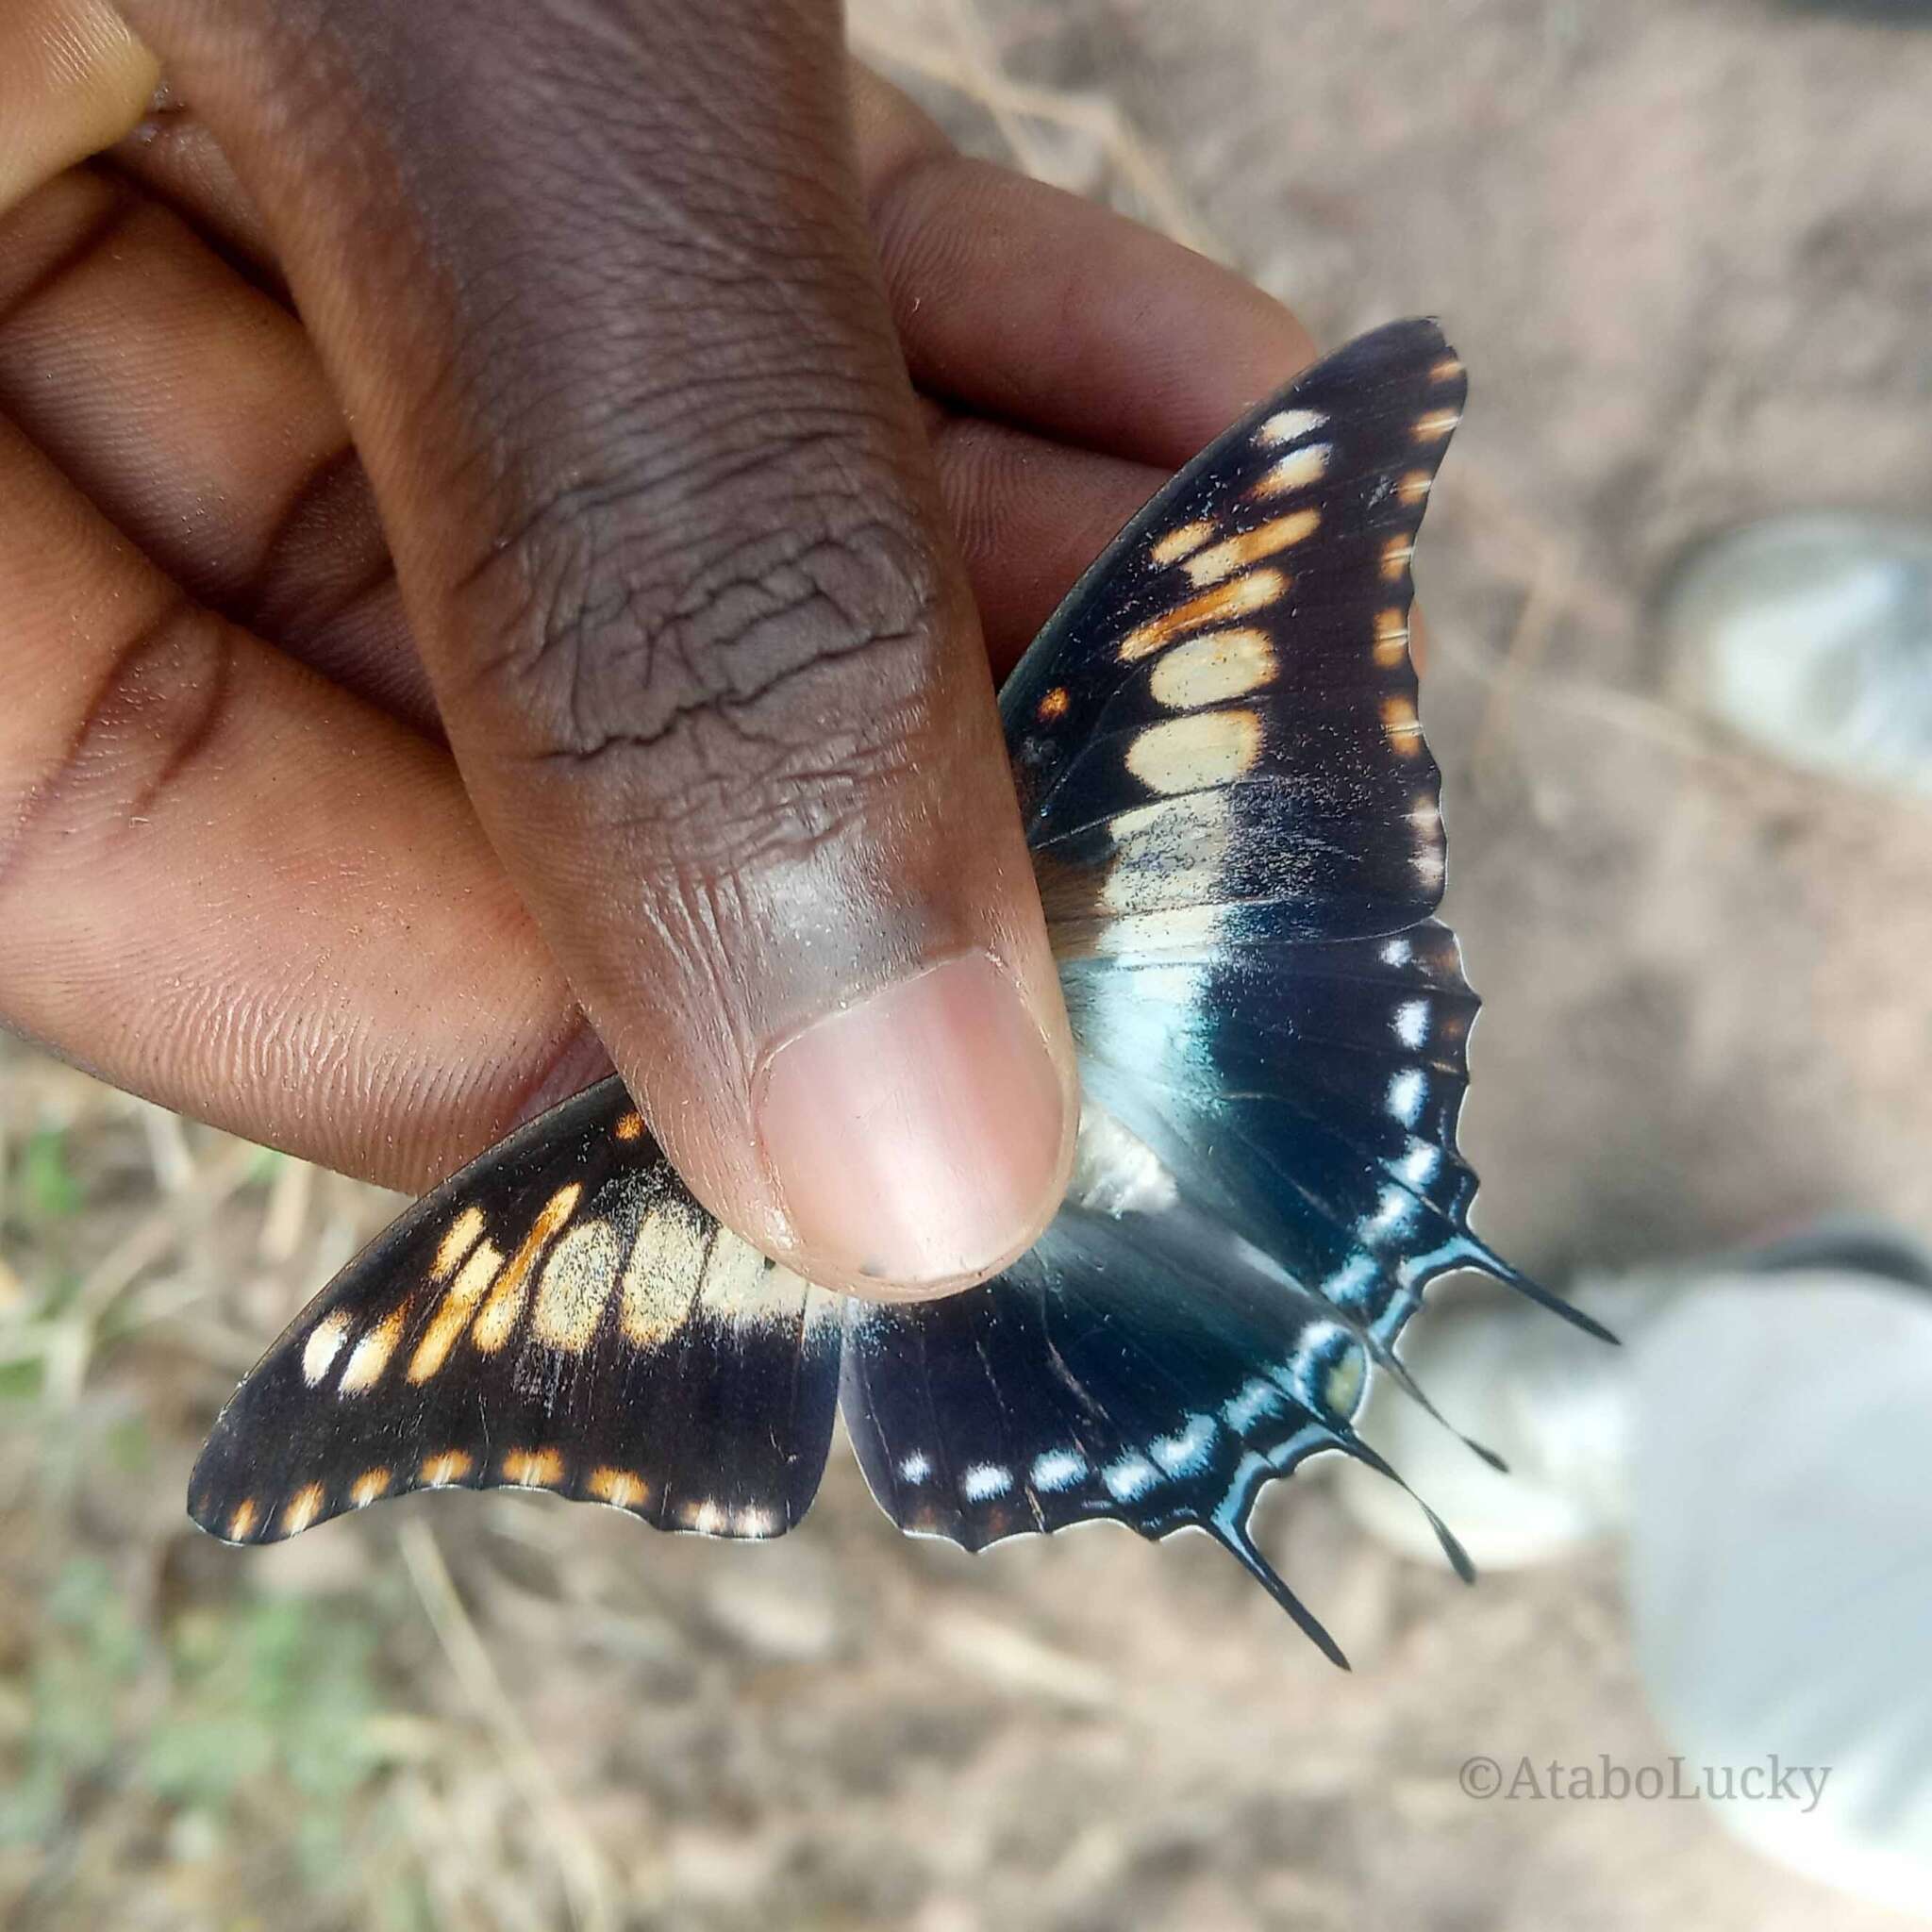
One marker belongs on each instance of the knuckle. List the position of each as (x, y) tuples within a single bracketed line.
[(155, 711), (721, 685)]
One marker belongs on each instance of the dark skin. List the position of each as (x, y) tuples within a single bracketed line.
[(585, 607)]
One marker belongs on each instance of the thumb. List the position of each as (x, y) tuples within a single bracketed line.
[(594, 281)]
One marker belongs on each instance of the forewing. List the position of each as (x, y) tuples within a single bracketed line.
[(562, 1315), (1216, 734)]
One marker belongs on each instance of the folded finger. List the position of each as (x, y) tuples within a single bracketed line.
[(1018, 301), (229, 886)]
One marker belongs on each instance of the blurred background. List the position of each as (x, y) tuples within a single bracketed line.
[(1683, 247)]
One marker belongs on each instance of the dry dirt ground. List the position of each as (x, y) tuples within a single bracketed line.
[(1683, 247)]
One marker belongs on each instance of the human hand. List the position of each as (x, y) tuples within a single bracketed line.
[(584, 549)]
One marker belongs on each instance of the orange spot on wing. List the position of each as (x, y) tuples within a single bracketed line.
[(243, 1521), (620, 1487), (631, 1127), (533, 1468), (1054, 705), (370, 1485), (452, 1466), (1220, 605), (499, 1314), (303, 1507)]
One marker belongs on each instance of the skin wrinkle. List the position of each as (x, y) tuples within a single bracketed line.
[(102, 231), (54, 784)]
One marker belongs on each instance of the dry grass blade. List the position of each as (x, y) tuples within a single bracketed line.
[(580, 1866), (971, 70)]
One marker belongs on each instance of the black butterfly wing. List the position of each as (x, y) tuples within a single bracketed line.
[(1216, 735), (1235, 823), (560, 1315)]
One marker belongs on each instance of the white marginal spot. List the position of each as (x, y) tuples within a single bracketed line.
[(1187, 1452), (1058, 1469), (1394, 1206), (1129, 1479), (757, 1525), (1412, 1023), (1255, 1400), (1406, 1092), (324, 1342), (1397, 952), (710, 1518), (1421, 1164), (982, 1481), (916, 1467), (1358, 1272), (1289, 425)]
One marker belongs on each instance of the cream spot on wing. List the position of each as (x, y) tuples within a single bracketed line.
[(452, 1466), (576, 1282), (1153, 926), (742, 1287), (454, 1310), (533, 1468), (1212, 669), (1182, 541), (1295, 471), (370, 1487), (1172, 848), (1396, 554), (661, 1275), (1412, 1023), (621, 1488), (1445, 369), (1265, 539), (369, 1355), (498, 1319), (324, 1340), (304, 1506), (1222, 604), (1435, 425), (1391, 638), (464, 1232), (708, 1518), (243, 1521), (1402, 727), (1413, 487), (1289, 425), (1193, 754)]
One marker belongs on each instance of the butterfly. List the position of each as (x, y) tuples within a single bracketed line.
[(1234, 823)]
